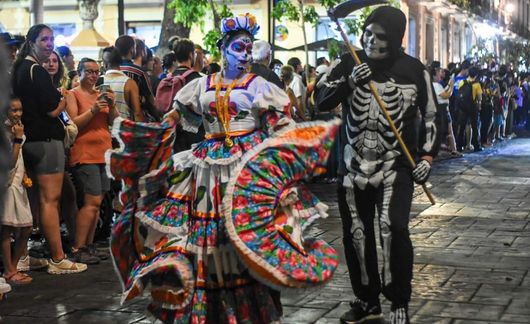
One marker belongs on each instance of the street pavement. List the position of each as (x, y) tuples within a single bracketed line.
[(471, 256)]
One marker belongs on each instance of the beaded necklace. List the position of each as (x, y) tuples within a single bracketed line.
[(222, 105)]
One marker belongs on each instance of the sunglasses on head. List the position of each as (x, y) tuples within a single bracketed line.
[(240, 47)]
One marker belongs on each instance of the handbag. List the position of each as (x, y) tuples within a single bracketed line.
[(70, 132), (70, 129)]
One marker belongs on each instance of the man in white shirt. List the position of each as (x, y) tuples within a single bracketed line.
[(297, 85)]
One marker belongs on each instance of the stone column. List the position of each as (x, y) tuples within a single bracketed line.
[(88, 10)]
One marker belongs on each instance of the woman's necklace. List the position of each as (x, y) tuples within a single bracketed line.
[(222, 105)]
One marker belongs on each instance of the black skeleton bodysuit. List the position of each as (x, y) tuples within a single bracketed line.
[(375, 176)]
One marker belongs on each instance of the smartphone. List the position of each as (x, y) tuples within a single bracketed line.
[(103, 88), (64, 117)]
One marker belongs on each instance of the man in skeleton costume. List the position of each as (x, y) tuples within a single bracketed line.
[(375, 175)]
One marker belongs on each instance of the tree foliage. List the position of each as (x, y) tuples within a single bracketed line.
[(292, 12), (189, 12), (192, 13)]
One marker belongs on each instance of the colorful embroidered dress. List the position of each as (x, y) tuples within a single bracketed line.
[(213, 229)]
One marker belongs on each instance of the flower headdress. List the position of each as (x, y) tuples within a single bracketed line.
[(246, 22)]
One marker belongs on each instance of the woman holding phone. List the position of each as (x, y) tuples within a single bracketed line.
[(92, 111)]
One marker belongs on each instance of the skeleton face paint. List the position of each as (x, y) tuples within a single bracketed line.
[(238, 52), (375, 42)]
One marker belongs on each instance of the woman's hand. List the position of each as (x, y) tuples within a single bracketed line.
[(172, 117), (18, 130), (112, 97), (99, 105)]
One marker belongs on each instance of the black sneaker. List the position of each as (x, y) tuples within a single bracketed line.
[(82, 255), (362, 312), (400, 315), (93, 250)]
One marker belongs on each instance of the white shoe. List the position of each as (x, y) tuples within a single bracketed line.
[(65, 266), (4, 286), (27, 263)]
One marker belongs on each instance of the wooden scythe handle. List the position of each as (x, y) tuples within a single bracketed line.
[(382, 105)]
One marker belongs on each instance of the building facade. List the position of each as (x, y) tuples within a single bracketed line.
[(437, 30)]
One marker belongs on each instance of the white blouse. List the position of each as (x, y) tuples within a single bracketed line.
[(196, 102)]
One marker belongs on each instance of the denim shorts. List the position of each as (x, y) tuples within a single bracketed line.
[(44, 157), (91, 179)]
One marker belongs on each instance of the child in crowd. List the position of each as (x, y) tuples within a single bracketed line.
[(16, 217)]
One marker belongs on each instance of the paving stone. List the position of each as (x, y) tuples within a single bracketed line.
[(25, 320), (502, 300), (505, 277), (304, 315), (468, 311), (519, 306), (97, 316), (421, 319), (515, 318)]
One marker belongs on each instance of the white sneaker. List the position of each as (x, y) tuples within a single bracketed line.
[(65, 266), (30, 263), (4, 286)]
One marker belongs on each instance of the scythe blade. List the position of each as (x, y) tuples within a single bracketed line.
[(345, 8)]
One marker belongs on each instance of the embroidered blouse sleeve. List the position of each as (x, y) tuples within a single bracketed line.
[(274, 105), (269, 96), (187, 102)]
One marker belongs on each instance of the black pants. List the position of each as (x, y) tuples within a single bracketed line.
[(465, 116), (486, 121), (392, 201)]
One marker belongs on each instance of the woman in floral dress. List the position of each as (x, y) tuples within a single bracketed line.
[(216, 231)]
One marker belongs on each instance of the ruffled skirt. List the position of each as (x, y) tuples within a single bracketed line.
[(214, 231)]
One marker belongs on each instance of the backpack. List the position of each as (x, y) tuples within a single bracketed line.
[(168, 88), (464, 98)]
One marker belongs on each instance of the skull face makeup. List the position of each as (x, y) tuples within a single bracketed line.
[(238, 52), (375, 42)]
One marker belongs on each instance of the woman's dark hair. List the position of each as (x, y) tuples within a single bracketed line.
[(294, 62), (213, 68), (58, 77), (25, 49), (274, 62), (123, 44), (183, 48), (114, 58), (310, 69), (168, 60), (139, 47), (107, 49), (81, 65)]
